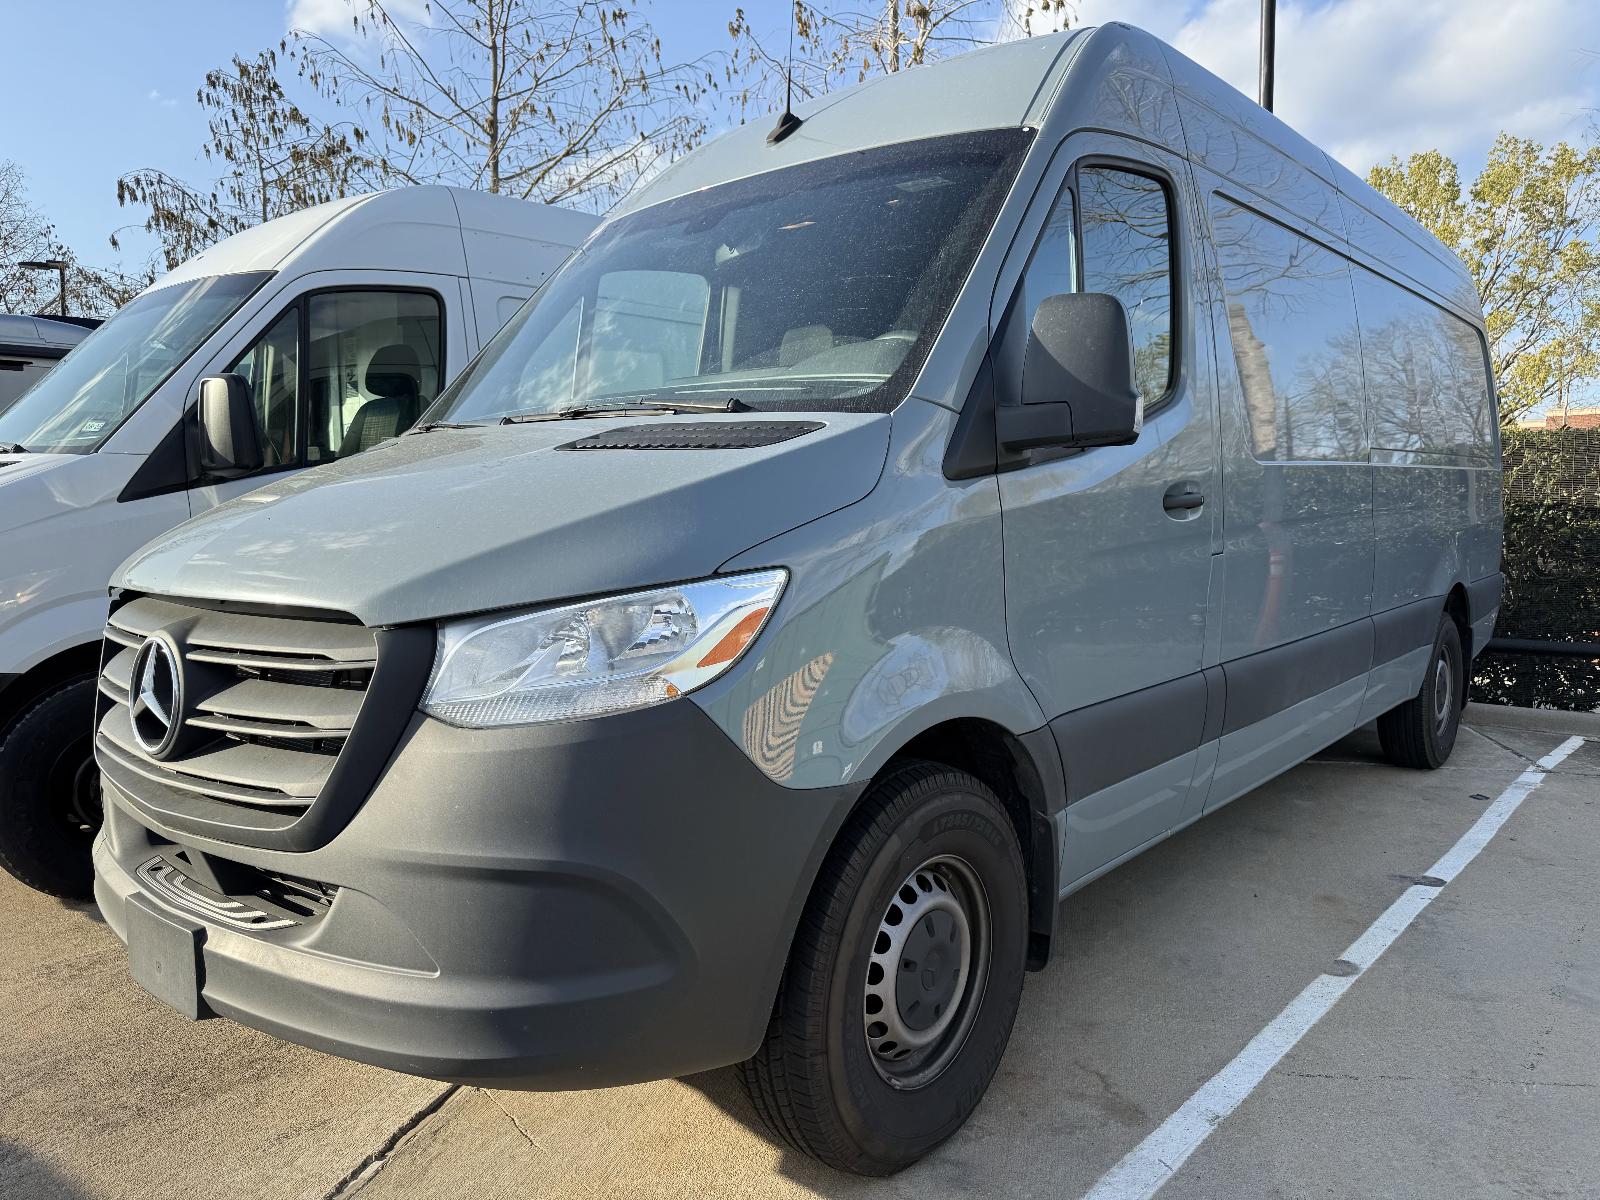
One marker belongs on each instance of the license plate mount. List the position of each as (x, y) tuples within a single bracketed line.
[(165, 958)]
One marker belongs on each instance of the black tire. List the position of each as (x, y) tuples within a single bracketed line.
[(50, 792), (1421, 732), (920, 831)]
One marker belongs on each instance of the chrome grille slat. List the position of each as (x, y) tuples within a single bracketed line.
[(329, 710), (119, 671), (146, 769), (256, 660), (296, 774), (122, 637), (269, 704), (337, 644), (242, 727)]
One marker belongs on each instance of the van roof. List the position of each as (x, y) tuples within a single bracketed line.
[(444, 230), (1114, 77), (26, 332), (1003, 85)]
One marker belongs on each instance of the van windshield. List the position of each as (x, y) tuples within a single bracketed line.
[(116, 368), (815, 287)]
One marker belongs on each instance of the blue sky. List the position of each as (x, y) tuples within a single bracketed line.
[(95, 88)]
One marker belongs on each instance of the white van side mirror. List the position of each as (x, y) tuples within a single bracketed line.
[(1077, 377), (230, 432)]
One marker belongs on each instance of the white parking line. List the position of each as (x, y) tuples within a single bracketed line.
[(1148, 1166)]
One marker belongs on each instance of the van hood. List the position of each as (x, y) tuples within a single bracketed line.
[(458, 521), (36, 487)]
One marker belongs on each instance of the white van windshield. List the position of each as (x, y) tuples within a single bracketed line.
[(815, 287), (115, 369)]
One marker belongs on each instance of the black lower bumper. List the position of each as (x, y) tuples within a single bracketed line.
[(573, 905)]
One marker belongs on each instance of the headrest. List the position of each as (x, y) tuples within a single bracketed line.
[(394, 371)]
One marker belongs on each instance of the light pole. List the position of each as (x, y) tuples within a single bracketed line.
[(1269, 39), (51, 264)]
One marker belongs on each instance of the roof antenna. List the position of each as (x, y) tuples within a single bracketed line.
[(788, 122)]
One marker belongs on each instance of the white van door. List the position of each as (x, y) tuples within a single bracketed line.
[(341, 366)]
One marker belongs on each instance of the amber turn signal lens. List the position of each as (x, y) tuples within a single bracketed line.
[(736, 639)]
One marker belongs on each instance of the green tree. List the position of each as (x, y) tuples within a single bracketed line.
[(1526, 230)]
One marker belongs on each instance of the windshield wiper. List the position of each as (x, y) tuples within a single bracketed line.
[(13, 448), (432, 425), (630, 408)]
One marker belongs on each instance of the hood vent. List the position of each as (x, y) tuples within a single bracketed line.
[(698, 435)]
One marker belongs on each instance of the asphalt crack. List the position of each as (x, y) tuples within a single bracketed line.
[(364, 1170)]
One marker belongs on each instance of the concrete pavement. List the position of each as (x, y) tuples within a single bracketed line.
[(1465, 1062)]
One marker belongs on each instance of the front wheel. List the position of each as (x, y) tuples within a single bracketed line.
[(50, 793), (1422, 731), (904, 979)]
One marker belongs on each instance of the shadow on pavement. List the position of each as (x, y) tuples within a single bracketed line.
[(25, 1176)]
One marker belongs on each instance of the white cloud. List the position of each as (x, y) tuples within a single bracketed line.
[(1369, 78), (155, 97), (335, 18)]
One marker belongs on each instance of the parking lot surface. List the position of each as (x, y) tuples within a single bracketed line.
[(1465, 1061)]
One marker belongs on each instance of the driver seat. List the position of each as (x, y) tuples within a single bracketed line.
[(394, 377)]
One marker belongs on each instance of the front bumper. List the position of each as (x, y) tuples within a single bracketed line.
[(561, 906)]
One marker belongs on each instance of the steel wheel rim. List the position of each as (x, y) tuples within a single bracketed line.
[(74, 788), (927, 968), (1443, 691)]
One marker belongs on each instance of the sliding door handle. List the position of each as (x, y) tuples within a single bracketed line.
[(1182, 497)]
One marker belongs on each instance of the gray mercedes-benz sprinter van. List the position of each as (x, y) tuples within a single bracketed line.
[(873, 534)]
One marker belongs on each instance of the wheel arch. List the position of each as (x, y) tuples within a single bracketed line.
[(1025, 773), (45, 675)]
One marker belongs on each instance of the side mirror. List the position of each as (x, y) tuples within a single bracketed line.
[(230, 431), (1077, 377)]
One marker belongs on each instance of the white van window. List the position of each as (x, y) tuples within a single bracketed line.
[(374, 363), (1127, 252), (1425, 371), (115, 369), (271, 366), (1292, 321)]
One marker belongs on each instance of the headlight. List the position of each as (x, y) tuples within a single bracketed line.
[(601, 656)]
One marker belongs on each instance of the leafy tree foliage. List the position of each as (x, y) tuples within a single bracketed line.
[(1527, 230), (1552, 592), (272, 159)]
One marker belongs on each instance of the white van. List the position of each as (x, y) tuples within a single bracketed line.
[(29, 348), (344, 321)]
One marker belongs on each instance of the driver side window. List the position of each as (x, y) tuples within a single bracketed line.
[(360, 368), (272, 369)]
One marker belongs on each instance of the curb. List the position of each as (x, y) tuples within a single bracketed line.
[(1544, 720)]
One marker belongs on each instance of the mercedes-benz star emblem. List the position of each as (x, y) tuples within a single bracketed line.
[(156, 703)]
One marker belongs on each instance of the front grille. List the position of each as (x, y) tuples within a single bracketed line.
[(268, 704)]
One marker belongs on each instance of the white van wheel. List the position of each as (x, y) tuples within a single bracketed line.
[(50, 793)]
